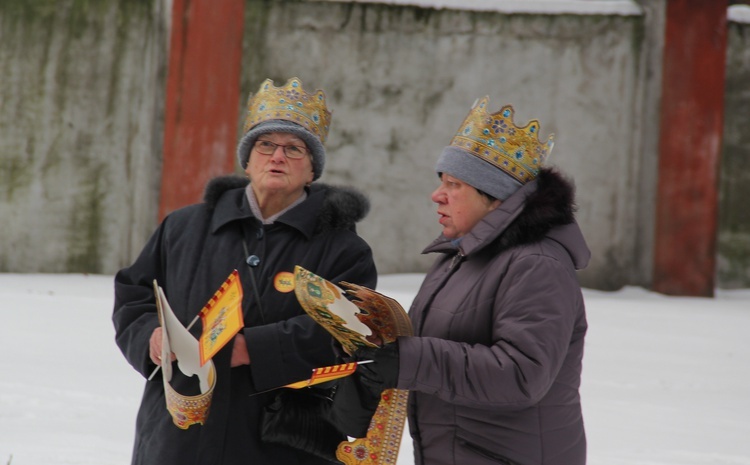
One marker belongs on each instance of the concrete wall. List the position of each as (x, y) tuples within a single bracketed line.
[(734, 213), (82, 109), (401, 80)]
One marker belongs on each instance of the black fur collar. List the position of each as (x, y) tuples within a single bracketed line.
[(551, 205), (342, 207), (217, 186)]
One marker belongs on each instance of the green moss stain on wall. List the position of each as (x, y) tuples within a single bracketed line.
[(734, 260), (25, 11), (85, 229), (129, 12), (734, 192), (638, 38), (255, 52), (65, 65), (84, 233), (22, 25), (16, 173)]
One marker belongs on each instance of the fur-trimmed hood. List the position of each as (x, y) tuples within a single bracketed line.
[(342, 206), (552, 204)]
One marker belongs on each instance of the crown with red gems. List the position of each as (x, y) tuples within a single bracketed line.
[(289, 103), (497, 140)]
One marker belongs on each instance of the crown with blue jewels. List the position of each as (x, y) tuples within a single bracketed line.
[(494, 138), (289, 103)]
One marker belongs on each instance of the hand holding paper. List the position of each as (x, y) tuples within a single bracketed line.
[(222, 319)]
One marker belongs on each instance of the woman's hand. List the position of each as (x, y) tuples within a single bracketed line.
[(154, 345), (240, 355), (239, 352)]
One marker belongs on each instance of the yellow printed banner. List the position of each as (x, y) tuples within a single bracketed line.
[(221, 317), (323, 374)]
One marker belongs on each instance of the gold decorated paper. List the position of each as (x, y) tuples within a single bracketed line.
[(221, 317), (383, 440), (326, 304), (384, 320), (325, 374), (382, 314), (185, 410)]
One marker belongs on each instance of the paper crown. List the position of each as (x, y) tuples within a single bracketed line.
[(368, 319), (497, 140), (289, 103), (190, 410)]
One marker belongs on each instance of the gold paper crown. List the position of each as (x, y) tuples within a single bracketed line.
[(289, 103), (497, 140), (190, 410)]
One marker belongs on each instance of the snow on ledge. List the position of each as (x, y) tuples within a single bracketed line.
[(739, 14), (578, 7)]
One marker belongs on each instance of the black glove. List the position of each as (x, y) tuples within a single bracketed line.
[(354, 404), (358, 395), (381, 374)]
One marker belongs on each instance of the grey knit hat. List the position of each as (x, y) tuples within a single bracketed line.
[(476, 172), (278, 125)]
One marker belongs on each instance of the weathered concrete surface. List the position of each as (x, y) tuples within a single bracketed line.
[(80, 124), (82, 108), (734, 213), (400, 81)]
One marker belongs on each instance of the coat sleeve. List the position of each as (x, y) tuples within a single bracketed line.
[(534, 314), (135, 316), (287, 351)]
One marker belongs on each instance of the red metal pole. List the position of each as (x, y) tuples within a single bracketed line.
[(203, 91), (692, 112)]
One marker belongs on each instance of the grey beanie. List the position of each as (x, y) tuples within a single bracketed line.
[(279, 125), (476, 172)]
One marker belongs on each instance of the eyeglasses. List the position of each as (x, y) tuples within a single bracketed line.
[(295, 152)]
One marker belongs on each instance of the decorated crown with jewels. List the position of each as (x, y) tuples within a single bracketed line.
[(494, 138), (289, 103)]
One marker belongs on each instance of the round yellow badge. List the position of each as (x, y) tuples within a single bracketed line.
[(284, 282)]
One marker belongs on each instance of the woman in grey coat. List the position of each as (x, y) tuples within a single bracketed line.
[(494, 368)]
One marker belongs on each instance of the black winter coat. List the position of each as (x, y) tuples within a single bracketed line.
[(191, 253)]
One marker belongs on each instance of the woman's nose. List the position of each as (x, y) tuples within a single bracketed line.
[(279, 155), (437, 195)]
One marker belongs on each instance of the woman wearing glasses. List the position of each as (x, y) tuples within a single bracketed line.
[(262, 228)]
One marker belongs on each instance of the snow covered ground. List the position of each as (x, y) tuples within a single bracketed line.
[(666, 380)]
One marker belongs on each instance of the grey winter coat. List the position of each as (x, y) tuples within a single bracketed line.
[(190, 255), (495, 368)]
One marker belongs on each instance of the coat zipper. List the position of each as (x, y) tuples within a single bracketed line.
[(458, 256)]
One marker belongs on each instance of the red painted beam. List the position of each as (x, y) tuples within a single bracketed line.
[(203, 91), (692, 111)]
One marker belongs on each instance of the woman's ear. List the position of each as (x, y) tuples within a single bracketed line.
[(310, 178)]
